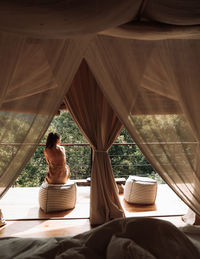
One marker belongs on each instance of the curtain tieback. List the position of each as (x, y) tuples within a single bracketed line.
[(100, 151)]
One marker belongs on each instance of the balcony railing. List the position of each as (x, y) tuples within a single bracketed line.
[(124, 159)]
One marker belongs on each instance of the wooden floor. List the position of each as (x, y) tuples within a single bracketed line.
[(25, 219)]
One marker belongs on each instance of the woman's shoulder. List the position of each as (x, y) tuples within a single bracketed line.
[(61, 148)]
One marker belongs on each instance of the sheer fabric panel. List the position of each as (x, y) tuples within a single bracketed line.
[(35, 76), (100, 126), (64, 18), (156, 97), (143, 30), (61, 19)]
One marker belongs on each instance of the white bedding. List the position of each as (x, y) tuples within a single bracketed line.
[(121, 238)]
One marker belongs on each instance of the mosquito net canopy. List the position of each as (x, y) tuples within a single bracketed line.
[(138, 59)]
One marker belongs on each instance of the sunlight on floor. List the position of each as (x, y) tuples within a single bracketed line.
[(25, 219)]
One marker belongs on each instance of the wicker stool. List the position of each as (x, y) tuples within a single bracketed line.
[(140, 190), (57, 197)]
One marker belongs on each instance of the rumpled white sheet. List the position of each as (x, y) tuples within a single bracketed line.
[(121, 238)]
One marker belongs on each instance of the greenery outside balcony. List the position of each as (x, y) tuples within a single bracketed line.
[(126, 157)]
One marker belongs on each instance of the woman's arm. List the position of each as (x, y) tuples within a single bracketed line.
[(68, 171), (63, 151), (46, 156)]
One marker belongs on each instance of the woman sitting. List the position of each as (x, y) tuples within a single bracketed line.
[(55, 156)]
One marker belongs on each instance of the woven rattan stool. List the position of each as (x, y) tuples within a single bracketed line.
[(57, 197), (140, 190)]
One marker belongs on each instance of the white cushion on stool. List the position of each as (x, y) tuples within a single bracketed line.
[(140, 190), (57, 197)]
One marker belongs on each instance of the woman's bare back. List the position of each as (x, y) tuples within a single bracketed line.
[(56, 159)]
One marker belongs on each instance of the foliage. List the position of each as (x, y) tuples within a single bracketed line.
[(10, 123), (126, 159)]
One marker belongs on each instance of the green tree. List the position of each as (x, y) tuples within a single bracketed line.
[(10, 123), (126, 159), (78, 157)]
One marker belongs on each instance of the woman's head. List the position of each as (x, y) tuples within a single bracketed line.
[(52, 139)]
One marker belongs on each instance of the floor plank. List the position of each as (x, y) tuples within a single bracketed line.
[(44, 228), (25, 219), (22, 203), (167, 204)]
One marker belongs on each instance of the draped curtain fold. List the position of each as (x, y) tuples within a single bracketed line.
[(35, 75), (153, 86), (64, 18), (100, 126)]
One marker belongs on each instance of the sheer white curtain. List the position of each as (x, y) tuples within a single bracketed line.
[(35, 75), (154, 88)]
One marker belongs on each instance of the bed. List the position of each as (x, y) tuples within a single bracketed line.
[(120, 238)]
